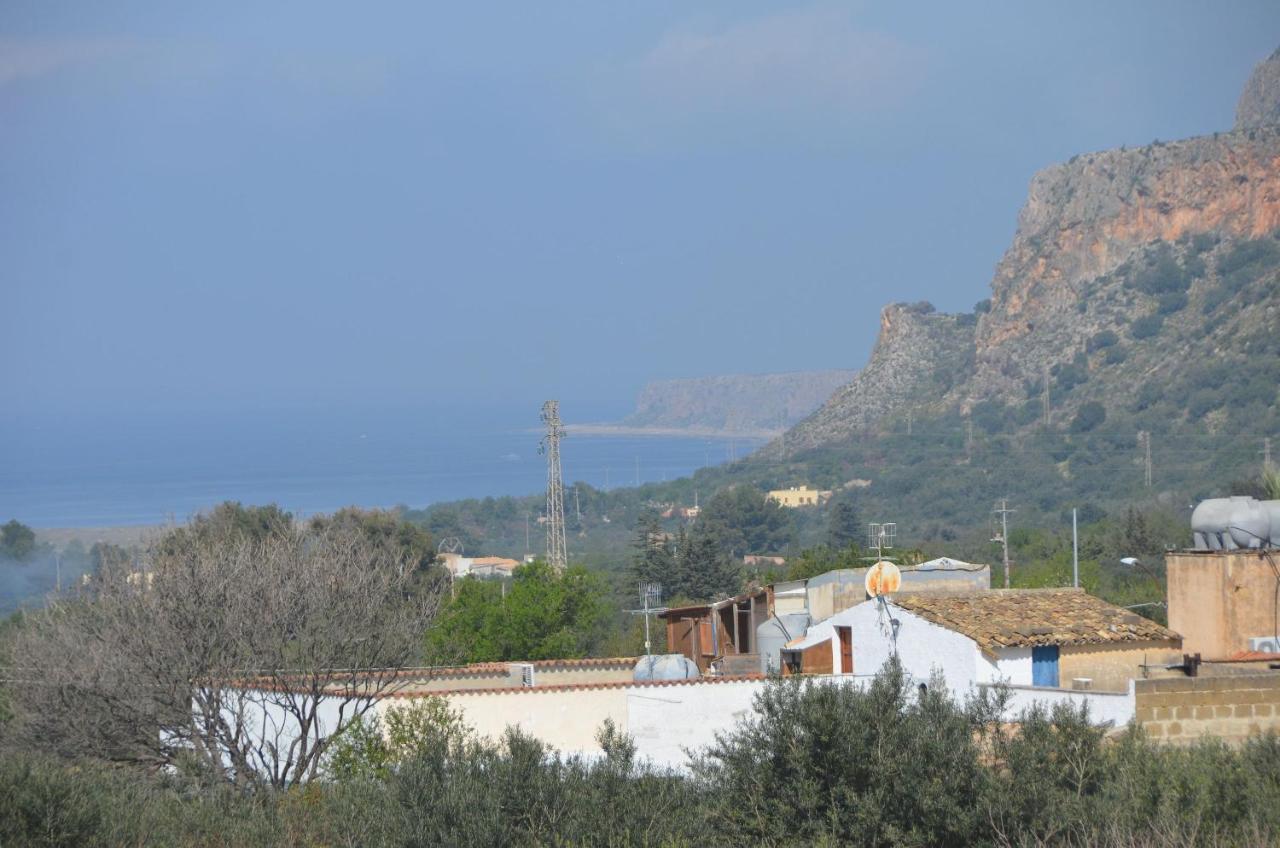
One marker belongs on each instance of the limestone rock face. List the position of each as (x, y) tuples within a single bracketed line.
[(919, 353), (1065, 296), (1260, 101), (1056, 286)]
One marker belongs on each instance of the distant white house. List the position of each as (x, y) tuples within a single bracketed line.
[(1035, 640), (461, 566)]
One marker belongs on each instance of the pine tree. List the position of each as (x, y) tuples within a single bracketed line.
[(652, 558), (706, 571), (843, 527)]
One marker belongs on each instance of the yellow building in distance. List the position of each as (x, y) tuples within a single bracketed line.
[(798, 496)]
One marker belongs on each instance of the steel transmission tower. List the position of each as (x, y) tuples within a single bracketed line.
[(557, 549)]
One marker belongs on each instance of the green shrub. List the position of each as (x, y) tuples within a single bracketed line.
[(1088, 416), (1158, 272), (1171, 302), (1146, 326), (835, 765), (1248, 261), (1101, 340)]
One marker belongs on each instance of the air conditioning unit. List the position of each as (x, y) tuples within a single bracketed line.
[(1264, 644)]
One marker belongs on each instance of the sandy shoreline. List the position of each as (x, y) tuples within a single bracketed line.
[(691, 432), (124, 535)]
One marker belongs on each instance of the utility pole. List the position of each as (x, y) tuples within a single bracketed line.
[(1075, 551), (1044, 397), (1266, 455), (577, 507), (1003, 537), (1144, 439), (557, 548), (526, 535)]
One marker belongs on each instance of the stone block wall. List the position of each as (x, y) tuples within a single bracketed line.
[(1181, 710)]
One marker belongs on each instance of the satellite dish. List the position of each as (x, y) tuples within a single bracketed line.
[(883, 578)]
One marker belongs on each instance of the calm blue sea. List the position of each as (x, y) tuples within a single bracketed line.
[(74, 473)]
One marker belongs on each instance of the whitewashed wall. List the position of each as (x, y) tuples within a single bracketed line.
[(922, 646), (668, 721), (1114, 708), (1013, 665), (665, 721)]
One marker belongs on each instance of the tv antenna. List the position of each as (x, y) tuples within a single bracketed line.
[(651, 604), (882, 537), (557, 547)]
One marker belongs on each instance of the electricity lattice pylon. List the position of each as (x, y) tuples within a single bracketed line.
[(557, 548)]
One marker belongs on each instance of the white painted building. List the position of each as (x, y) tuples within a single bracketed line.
[(1046, 645)]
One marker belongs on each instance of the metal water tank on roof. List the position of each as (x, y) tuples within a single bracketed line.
[(774, 634), (1227, 524), (665, 667), (1272, 509)]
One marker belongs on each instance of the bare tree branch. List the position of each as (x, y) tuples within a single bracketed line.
[(244, 655)]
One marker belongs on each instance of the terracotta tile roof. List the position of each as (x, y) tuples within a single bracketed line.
[(1250, 656), (574, 687), (486, 668), (1008, 618)]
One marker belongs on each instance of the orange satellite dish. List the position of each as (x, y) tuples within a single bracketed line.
[(883, 578)]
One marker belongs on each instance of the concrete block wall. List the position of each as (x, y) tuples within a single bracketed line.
[(1181, 710)]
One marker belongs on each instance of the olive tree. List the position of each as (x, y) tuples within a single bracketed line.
[(240, 656)]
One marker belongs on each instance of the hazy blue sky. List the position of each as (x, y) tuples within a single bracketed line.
[(212, 206)]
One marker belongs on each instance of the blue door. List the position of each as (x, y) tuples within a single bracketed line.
[(1044, 666)]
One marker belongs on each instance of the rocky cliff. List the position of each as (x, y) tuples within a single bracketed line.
[(919, 353), (744, 404), (1259, 104), (1128, 270)]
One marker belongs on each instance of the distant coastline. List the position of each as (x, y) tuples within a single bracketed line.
[(690, 432)]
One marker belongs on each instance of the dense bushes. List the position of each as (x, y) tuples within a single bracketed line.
[(1146, 326), (1089, 415), (817, 764), (1159, 272)]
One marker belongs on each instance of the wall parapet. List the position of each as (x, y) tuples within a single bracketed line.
[(1232, 707)]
